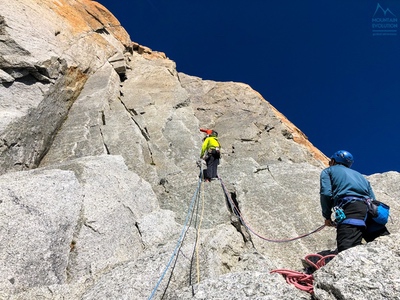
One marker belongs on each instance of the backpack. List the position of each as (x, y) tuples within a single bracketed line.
[(378, 211)]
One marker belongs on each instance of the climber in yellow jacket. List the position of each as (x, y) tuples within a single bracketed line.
[(210, 152)]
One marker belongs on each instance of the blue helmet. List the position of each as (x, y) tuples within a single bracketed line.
[(343, 157)]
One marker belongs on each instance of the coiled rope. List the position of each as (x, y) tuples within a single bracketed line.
[(304, 281)]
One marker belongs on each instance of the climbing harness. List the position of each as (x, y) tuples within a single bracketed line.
[(340, 216)]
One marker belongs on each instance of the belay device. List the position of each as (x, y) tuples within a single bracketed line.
[(339, 214)]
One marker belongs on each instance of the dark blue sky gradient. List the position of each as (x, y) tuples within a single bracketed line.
[(317, 62)]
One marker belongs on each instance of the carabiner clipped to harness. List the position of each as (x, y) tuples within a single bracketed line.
[(339, 214)]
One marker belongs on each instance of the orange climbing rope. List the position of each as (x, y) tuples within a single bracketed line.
[(304, 281)]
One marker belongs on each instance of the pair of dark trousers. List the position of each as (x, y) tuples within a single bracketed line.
[(349, 235), (212, 162), (374, 230)]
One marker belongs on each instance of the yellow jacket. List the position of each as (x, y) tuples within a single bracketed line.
[(209, 143)]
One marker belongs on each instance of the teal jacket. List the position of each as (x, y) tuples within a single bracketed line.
[(337, 182)]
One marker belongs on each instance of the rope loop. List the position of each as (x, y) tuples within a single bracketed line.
[(304, 281)]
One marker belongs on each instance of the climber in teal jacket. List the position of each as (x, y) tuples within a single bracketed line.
[(339, 181), (343, 187)]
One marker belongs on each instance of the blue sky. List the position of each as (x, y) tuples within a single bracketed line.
[(320, 63)]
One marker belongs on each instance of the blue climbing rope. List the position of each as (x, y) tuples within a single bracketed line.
[(183, 233)]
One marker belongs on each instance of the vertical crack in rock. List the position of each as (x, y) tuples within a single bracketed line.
[(136, 225), (103, 118), (235, 217), (133, 113), (104, 143), (138, 229), (172, 73), (103, 122), (74, 244), (140, 234), (179, 79), (143, 130)]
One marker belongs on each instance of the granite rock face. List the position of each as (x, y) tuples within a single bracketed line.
[(100, 192), (367, 272)]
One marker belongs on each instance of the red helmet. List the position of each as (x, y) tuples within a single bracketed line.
[(207, 131)]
